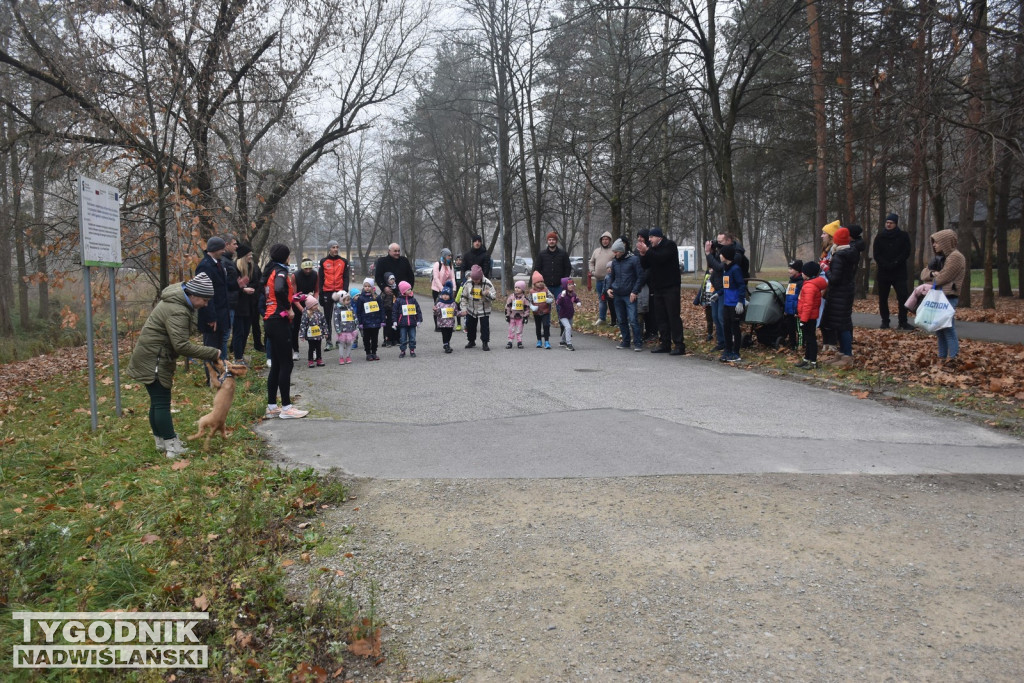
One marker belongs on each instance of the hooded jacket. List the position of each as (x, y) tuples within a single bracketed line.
[(950, 275), (566, 302), (809, 305), (165, 337), (625, 276), (838, 313), (601, 257), (477, 297)]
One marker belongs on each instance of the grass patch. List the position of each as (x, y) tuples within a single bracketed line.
[(101, 521), (978, 279)]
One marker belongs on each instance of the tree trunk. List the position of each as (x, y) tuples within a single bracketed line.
[(846, 60), (39, 228), (1003, 221), (976, 86), (988, 297)]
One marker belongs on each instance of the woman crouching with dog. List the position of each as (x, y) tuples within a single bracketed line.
[(164, 337)]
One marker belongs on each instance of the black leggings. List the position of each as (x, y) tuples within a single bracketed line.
[(370, 338), (810, 340), (279, 332), (733, 333), (542, 321)]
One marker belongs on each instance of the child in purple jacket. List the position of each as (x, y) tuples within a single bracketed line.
[(566, 305)]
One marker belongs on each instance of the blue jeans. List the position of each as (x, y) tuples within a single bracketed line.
[(407, 337), (719, 319), (949, 345), (846, 342), (629, 325), (602, 306), (555, 291)]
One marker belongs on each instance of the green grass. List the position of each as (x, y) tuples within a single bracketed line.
[(978, 279), (79, 511)]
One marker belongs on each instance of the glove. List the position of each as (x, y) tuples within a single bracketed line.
[(394, 326)]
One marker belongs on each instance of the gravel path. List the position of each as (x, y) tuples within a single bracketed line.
[(759, 577)]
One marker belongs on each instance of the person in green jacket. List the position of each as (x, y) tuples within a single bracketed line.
[(164, 337)]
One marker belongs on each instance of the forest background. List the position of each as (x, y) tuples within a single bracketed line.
[(369, 122)]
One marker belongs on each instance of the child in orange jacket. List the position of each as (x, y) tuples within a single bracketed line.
[(808, 307)]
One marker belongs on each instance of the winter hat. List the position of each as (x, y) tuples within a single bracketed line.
[(645, 233), (446, 290), (894, 218), (797, 265), (369, 281), (446, 253), (307, 263), (552, 234), (521, 284), (279, 253), (855, 232), (355, 291), (619, 246), (310, 302), (536, 277), (812, 269), (332, 244), (655, 232), (831, 228), (477, 238), (388, 277), (404, 288), (337, 295), (565, 283), (727, 251), (215, 244), (476, 273), (243, 249), (200, 285), (842, 237)]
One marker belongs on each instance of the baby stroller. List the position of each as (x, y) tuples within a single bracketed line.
[(764, 312)]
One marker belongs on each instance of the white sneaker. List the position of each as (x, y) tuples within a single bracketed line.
[(293, 413), (268, 362), (175, 447), (295, 355), (271, 414), (160, 444)]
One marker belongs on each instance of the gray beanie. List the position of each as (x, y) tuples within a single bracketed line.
[(215, 244), (619, 246), (200, 285), (332, 243), (446, 253)]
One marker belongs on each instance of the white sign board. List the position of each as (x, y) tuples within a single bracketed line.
[(99, 217)]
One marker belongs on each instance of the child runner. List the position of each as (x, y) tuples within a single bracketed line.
[(807, 310), (540, 304), (446, 312), (790, 321), (566, 305), (370, 315), (345, 326), (387, 302), (312, 329), (407, 317), (517, 312), (477, 295), (734, 289)]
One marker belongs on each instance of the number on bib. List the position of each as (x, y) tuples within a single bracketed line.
[(370, 307), (347, 317), (476, 293), (725, 282), (314, 330), (517, 305), (540, 297), (409, 309), (447, 312), (791, 289)]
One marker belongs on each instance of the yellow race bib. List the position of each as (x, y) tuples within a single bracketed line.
[(476, 293), (725, 282), (447, 312), (517, 305), (409, 309), (370, 307), (791, 289), (540, 297), (347, 317), (314, 330)]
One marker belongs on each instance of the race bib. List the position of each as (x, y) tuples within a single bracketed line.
[(447, 312), (476, 293), (409, 309), (370, 307), (708, 287), (725, 282), (347, 317), (517, 305), (791, 289), (314, 330), (540, 297)]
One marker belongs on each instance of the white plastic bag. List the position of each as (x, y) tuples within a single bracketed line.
[(935, 312)]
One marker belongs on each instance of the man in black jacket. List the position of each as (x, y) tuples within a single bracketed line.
[(477, 256), (397, 265), (553, 264), (891, 251), (661, 259)]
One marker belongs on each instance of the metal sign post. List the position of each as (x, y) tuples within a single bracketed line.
[(99, 220)]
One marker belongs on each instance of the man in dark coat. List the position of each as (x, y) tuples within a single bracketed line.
[(553, 264), (891, 251), (477, 256), (397, 265), (215, 318), (661, 259)]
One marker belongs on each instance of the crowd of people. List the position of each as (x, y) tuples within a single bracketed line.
[(639, 291)]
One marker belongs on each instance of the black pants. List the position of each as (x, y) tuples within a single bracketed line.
[(257, 333), (899, 283), (446, 335), (709, 318), (314, 349), (280, 378), (296, 324), (371, 335), (665, 306), (733, 332), (240, 335), (810, 340), (790, 323), (542, 321), (327, 302), (485, 328)]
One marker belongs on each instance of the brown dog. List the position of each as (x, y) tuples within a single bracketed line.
[(216, 419)]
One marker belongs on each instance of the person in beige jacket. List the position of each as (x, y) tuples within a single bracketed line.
[(946, 272), (599, 261)]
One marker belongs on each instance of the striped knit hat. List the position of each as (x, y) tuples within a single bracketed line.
[(200, 285)]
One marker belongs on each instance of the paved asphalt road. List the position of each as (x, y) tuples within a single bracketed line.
[(602, 412)]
